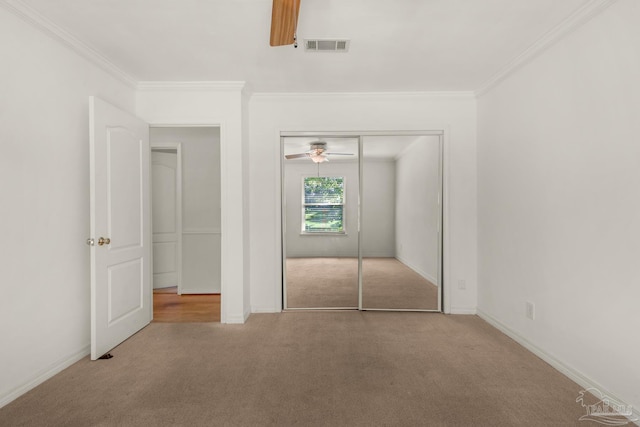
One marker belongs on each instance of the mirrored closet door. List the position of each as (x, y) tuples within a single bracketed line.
[(320, 186), (400, 220), (362, 219)]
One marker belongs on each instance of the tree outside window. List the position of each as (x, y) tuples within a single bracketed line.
[(323, 205)]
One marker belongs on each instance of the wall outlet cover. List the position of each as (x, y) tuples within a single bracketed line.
[(530, 310)]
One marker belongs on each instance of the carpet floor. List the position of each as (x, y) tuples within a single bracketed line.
[(333, 282), (309, 369)]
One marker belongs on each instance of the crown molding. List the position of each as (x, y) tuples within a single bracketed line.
[(231, 86), (578, 18), (30, 15), (417, 94), (34, 18)]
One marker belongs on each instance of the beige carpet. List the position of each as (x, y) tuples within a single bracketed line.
[(388, 283), (322, 282), (333, 282), (309, 369)]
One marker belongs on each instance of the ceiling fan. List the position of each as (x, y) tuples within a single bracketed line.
[(284, 22), (317, 153)]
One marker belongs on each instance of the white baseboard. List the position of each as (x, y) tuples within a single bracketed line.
[(463, 310), (238, 319), (257, 309), (379, 254), (337, 254), (45, 374), (574, 375), (198, 292)]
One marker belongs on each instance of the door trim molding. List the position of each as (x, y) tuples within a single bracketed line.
[(225, 283), (444, 134)]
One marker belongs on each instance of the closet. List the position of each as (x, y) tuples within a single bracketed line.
[(362, 221)]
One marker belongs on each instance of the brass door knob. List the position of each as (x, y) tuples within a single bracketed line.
[(104, 241)]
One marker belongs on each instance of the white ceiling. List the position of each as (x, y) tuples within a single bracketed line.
[(396, 45)]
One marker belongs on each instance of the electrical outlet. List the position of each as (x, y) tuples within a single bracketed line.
[(530, 310), (462, 285)]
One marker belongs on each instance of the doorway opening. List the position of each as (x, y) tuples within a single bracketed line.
[(185, 183), (362, 221)]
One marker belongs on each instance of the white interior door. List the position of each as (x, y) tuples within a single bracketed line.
[(121, 268), (166, 218)]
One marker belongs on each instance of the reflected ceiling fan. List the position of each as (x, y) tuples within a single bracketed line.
[(284, 22), (317, 153)]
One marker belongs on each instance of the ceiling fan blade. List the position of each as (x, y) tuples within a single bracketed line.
[(338, 154), (296, 156), (284, 19)]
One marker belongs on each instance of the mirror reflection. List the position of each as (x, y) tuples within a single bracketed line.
[(392, 220), (400, 223), (320, 192)]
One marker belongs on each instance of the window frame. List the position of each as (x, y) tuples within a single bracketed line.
[(303, 230)]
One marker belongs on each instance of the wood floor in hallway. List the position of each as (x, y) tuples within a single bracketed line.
[(169, 307)]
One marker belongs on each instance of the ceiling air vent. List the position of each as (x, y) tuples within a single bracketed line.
[(317, 45)]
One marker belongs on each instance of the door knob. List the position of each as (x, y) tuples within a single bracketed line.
[(104, 241)]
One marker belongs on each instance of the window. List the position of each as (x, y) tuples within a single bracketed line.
[(323, 205)]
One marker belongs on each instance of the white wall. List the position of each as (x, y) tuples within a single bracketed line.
[(378, 208), (270, 114), (200, 204), (417, 209), (559, 205), (219, 104), (44, 175)]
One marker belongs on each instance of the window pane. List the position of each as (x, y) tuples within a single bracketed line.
[(323, 218), (319, 190)]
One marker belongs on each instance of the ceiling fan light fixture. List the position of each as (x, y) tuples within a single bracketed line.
[(318, 158), (317, 153)]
